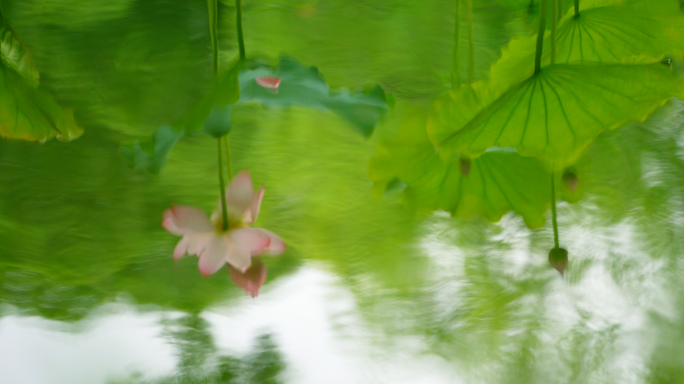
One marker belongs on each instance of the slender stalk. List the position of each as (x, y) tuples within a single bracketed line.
[(540, 37), (213, 31), (226, 146), (576, 8), (553, 210), (471, 45), (455, 72), (554, 11), (224, 211), (241, 40)]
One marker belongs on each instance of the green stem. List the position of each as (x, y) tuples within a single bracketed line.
[(455, 73), (2, 18), (530, 7), (471, 45), (223, 188), (226, 146), (553, 210), (241, 40), (540, 37), (576, 8), (213, 31), (554, 10)]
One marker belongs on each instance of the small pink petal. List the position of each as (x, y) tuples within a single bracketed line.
[(167, 214), (181, 248), (270, 82), (198, 242), (252, 279), (276, 245), (214, 255), (171, 226), (189, 219), (251, 240), (239, 194), (239, 258), (253, 212)]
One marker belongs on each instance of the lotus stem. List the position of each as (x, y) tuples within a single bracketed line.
[(455, 73), (222, 182), (576, 8), (553, 210), (540, 37), (554, 11), (471, 45), (226, 146), (213, 32), (241, 40)]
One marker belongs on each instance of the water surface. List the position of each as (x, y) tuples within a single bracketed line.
[(367, 291)]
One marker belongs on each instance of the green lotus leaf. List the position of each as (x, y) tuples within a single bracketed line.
[(520, 5), (636, 32), (482, 33), (553, 115), (491, 185), (533, 5), (528, 10), (641, 31), (298, 86), (29, 113), (305, 86), (13, 55)]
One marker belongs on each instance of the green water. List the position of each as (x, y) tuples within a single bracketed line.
[(367, 290)]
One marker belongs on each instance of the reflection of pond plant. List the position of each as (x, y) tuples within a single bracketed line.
[(226, 239), (27, 110), (201, 362), (255, 82), (602, 65)]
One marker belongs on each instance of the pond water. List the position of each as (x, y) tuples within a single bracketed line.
[(368, 291)]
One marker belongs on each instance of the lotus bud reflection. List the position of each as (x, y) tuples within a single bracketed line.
[(570, 180), (216, 246), (558, 258), (465, 165), (252, 279)]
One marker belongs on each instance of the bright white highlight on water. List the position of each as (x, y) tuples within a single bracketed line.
[(311, 316)]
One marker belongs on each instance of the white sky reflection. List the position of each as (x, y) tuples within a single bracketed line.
[(310, 315)]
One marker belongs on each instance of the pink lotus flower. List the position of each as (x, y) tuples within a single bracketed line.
[(211, 243)]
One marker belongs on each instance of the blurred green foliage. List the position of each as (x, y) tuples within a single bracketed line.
[(78, 229)]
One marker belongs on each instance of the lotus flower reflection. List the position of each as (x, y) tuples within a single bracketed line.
[(215, 246), (251, 280)]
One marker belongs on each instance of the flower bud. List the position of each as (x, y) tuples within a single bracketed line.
[(558, 258), (570, 180), (465, 165)]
